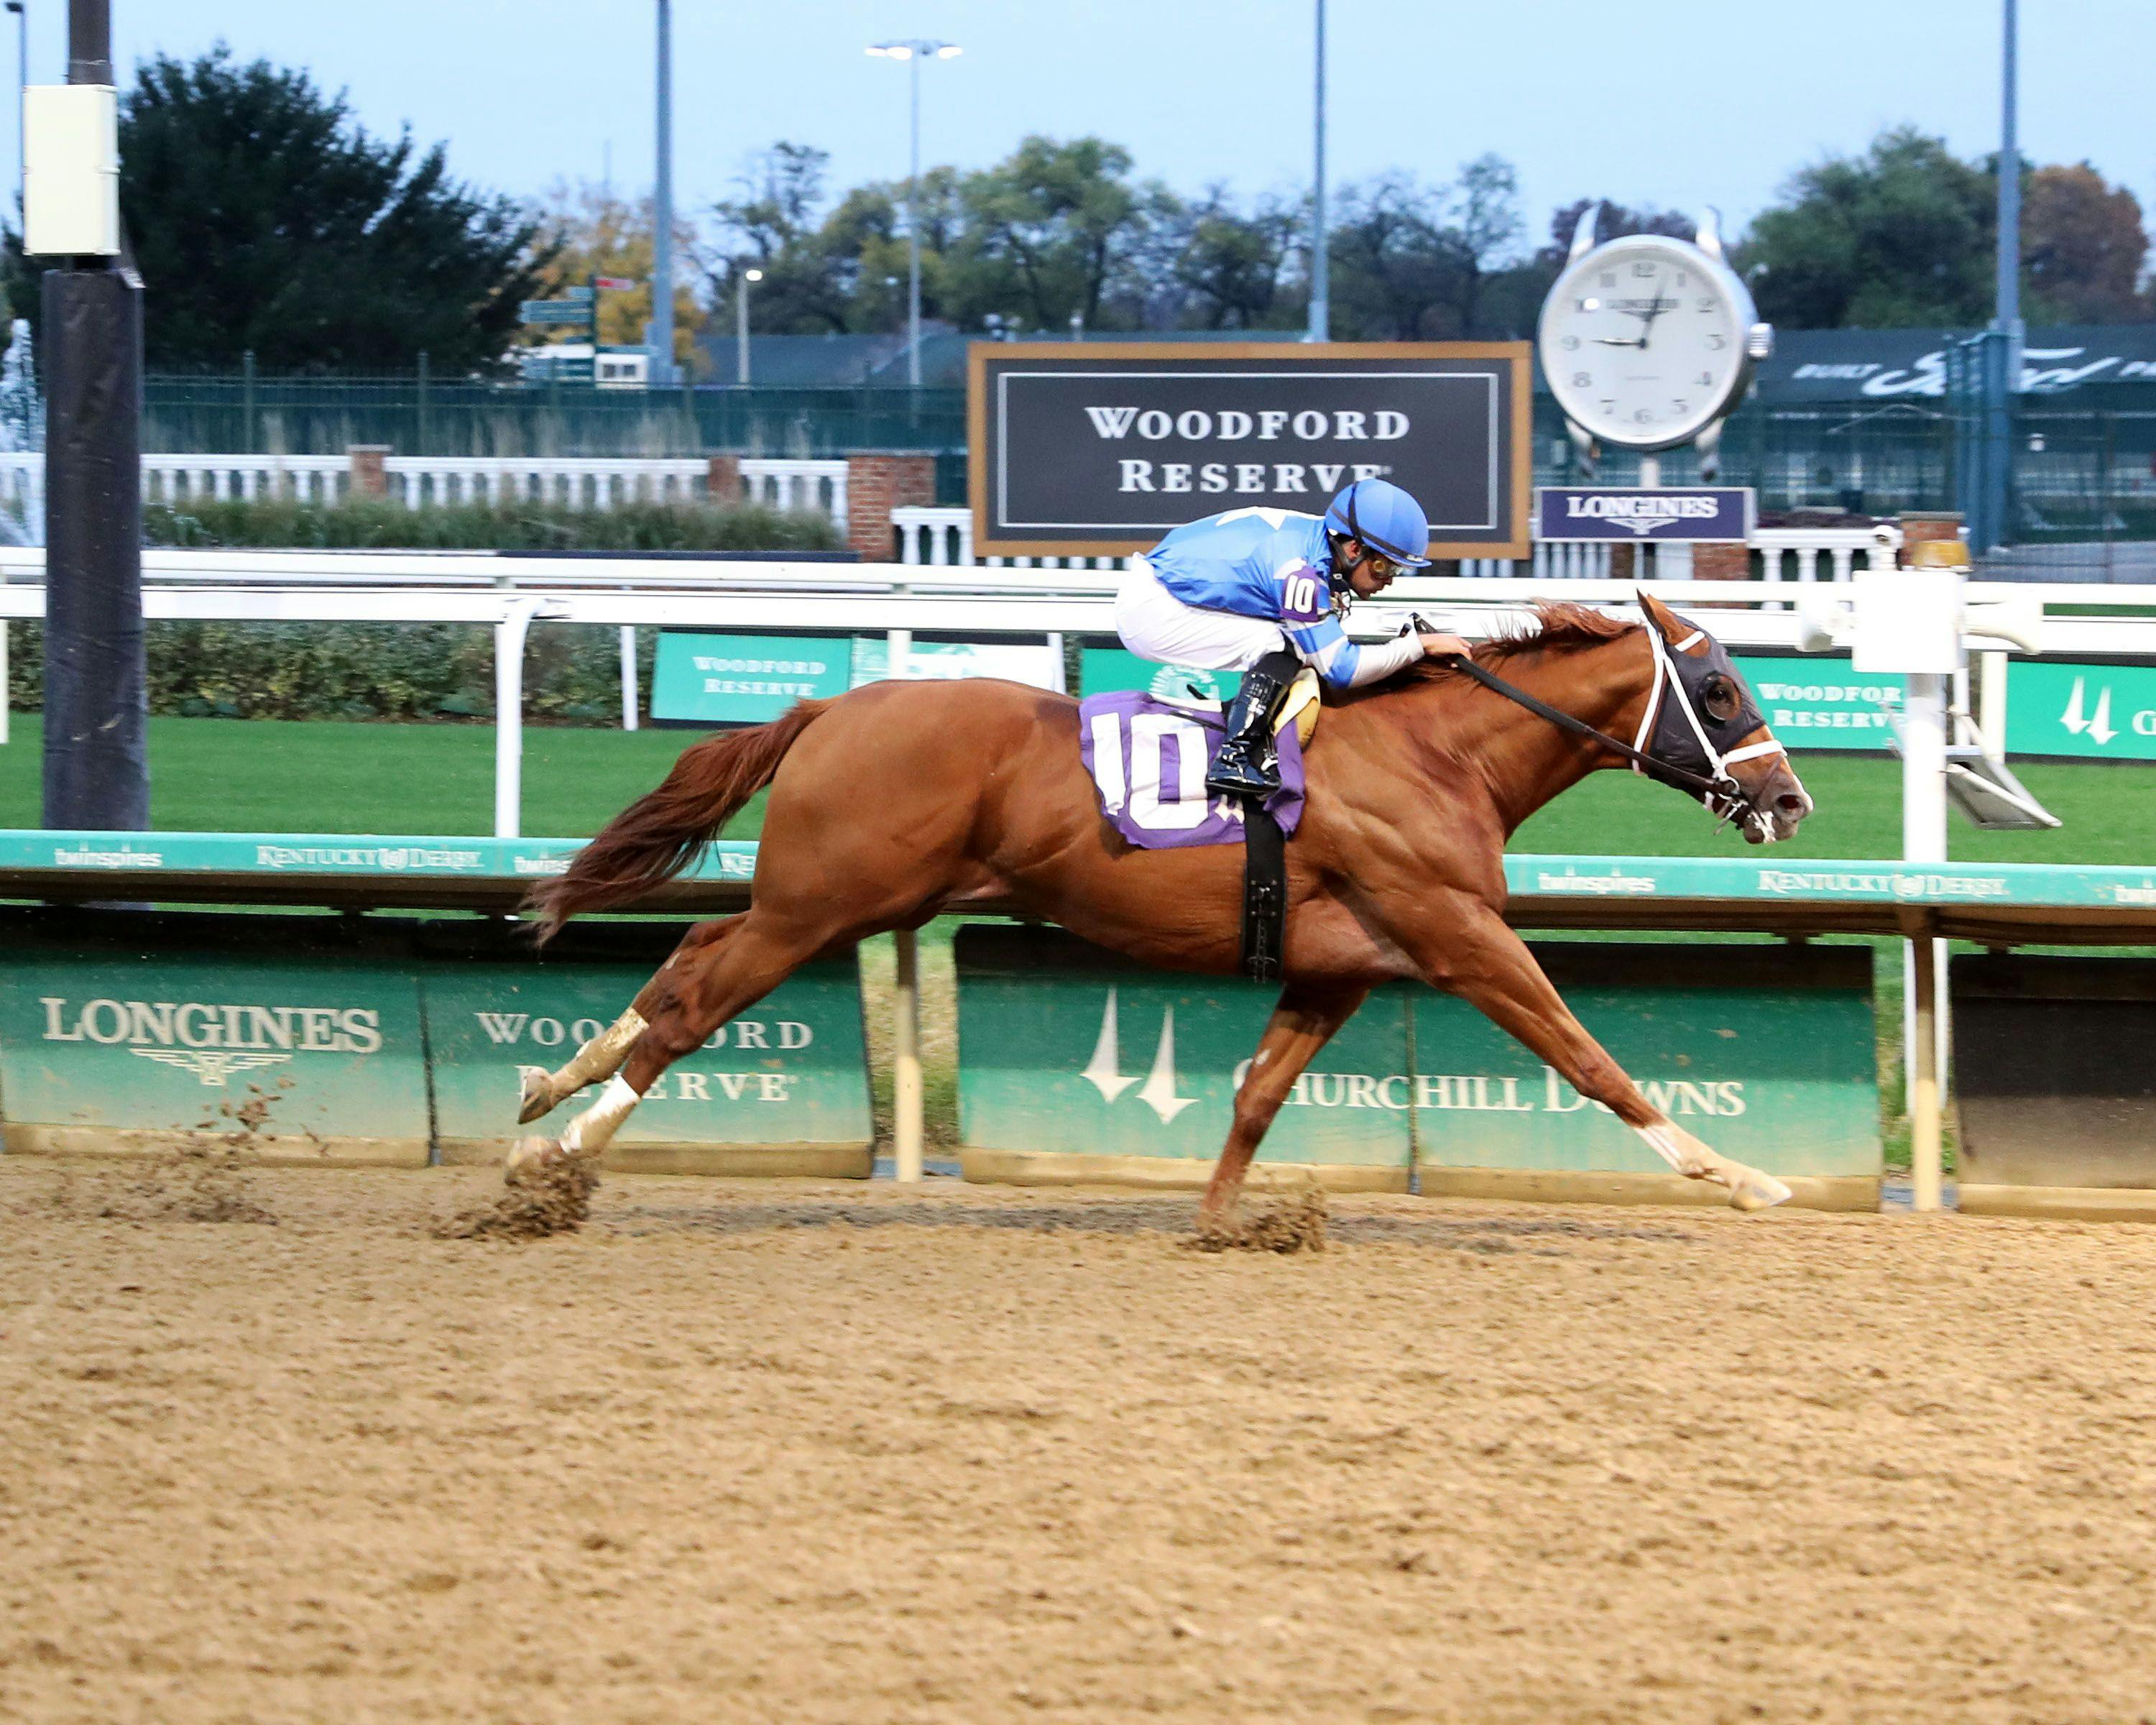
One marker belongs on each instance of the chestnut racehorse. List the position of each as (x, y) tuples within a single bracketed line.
[(901, 801)]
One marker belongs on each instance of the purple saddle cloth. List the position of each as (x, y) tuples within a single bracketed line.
[(1148, 758)]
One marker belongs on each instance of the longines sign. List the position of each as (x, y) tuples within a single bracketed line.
[(1098, 449)]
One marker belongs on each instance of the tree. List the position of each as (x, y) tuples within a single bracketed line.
[(1048, 231), (264, 218), (1399, 270), (2082, 247), (1488, 227), (594, 233), (1899, 235), (1229, 264), (773, 226)]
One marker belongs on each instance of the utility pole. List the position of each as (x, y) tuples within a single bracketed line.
[(1321, 267), (913, 51), (662, 199), (96, 763), (2003, 381)]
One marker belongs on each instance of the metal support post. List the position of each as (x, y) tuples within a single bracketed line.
[(1924, 841), (629, 694), (509, 637), (1926, 1160), (907, 1125)]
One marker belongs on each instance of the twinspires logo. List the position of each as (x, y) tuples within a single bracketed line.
[(214, 1041), (517, 1029)]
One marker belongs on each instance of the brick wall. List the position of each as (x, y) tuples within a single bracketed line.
[(370, 478), (875, 486)]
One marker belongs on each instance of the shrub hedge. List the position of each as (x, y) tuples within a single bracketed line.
[(392, 670)]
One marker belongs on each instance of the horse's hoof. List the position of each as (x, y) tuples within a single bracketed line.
[(528, 1157), (534, 1093), (1758, 1192)]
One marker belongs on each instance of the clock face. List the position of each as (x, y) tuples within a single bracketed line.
[(1643, 341)]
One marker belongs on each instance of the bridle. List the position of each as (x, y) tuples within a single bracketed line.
[(1719, 790)]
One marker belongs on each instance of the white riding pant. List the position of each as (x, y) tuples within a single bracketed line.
[(1156, 626)]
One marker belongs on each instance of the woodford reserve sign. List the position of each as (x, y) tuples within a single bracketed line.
[(1098, 449)]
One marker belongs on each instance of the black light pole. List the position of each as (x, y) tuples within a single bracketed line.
[(96, 764)]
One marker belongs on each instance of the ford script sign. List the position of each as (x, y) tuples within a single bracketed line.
[(1717, 513), (1098, 449)]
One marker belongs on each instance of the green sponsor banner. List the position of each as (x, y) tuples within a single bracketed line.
[(940, 661), (1106, 671), (745, 680), (792, 1070), (1059, 1052), (1767, 1055), (2093, 712), (1822, 704), (101, 1049)]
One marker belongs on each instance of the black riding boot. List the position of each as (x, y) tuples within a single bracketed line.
[(1248, 765)]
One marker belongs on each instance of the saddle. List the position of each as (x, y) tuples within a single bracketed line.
[(1147, 754)]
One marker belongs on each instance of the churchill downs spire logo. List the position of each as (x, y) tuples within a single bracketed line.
[(214, 1041)]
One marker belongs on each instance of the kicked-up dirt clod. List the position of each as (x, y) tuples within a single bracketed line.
[(555, 1198), (1295, 1225)]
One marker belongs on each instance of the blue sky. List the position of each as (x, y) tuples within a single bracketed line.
[(1680, 102)]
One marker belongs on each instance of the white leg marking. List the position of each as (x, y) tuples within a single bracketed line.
[(592, 1131), (1749, 1189)]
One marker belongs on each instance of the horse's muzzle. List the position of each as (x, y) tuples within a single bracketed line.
[(1776, 804)]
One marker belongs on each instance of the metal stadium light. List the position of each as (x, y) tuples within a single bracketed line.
[(914, 51), (740, 332)]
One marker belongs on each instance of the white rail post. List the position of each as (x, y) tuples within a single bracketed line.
[(1924, 841), (509, 635), (628, 702), (908, 1128)]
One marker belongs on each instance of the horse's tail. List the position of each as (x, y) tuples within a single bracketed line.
[(659, 834)]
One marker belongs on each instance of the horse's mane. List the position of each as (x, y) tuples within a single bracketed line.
[(1559, 626)]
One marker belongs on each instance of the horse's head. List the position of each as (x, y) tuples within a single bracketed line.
[(1699, 718)]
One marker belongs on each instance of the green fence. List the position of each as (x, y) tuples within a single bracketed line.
[(1074, 1064), (416, 416), (396, 1044)]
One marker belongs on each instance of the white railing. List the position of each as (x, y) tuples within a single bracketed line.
[(1804, 546), (417, 481), (579, 482), (807, 485)]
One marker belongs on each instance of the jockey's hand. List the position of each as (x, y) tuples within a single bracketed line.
[(1438, 646)]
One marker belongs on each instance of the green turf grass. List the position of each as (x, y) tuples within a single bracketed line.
[(324, 776)]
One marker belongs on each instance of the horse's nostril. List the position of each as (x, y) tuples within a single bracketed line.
[(1795, 804)]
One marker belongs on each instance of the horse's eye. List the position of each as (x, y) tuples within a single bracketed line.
[(1720, 698)]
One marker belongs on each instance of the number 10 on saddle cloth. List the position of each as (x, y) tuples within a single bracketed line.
[(1149, 758)]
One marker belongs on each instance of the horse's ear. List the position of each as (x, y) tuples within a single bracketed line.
[(1675, 630)]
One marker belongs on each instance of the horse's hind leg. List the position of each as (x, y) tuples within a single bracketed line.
[(1303, 1022), (541, 1091), (707, 987)]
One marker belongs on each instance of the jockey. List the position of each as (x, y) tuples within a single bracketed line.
[(1263, 591)]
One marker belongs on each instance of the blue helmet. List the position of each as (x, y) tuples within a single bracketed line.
[(1384, 517)]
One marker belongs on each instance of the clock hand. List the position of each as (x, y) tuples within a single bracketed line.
[(1653, 311), (1622, 341)]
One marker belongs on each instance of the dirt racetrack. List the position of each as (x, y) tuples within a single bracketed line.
[(750, 1452)]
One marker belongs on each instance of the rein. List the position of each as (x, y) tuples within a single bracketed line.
[(1683, 778)]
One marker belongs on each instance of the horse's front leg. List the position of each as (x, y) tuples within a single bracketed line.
[(1302, 1023), (1488, 966)]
